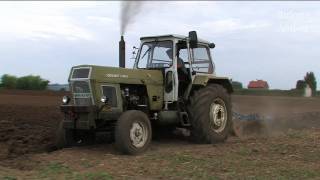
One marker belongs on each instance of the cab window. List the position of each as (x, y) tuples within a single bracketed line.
[(183, 54), (202, 62), (144, 56)]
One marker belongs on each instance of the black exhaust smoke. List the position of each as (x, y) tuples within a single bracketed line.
[(122, 53)]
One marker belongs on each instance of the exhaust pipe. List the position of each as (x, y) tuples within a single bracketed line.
[(122, 53)]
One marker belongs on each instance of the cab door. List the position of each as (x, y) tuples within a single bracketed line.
[(170, 85), (160, 55), (171, 81)]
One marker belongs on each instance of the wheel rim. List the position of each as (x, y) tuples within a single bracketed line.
[(218, 115), (138, 134)]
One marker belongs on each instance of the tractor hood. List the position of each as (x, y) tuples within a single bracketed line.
[(116, 75)]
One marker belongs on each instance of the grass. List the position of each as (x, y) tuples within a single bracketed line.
[(183, 158), (270, 159), (293, 155), (8, 178), (244, 151), (269, 92), (87, 164), (272, 92), (55, 170), (186, 165), (93, 176), (297, 173), (58, 170), (295, 134)]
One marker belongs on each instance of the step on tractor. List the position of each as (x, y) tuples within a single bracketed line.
[(171, 85)]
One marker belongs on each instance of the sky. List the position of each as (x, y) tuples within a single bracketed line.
[(274, 41)]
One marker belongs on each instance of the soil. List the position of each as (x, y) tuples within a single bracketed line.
[(275, 114), (29, 119)]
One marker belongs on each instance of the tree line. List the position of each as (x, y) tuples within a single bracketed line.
[(29, 82), (309, 79)]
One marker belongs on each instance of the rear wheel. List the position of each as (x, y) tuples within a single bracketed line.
[(133, 132), (210, 114)]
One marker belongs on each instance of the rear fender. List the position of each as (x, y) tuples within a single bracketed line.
[(201, 81), (223, 82)]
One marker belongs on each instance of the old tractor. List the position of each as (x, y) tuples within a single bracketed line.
[(172, 85)]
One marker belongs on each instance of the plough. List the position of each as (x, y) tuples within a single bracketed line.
[(245, 124)]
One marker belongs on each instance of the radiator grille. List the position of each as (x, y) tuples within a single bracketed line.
[(81, 93)]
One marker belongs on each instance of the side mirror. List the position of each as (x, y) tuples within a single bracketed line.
[(134, 52), (212, 45), (193, 39)]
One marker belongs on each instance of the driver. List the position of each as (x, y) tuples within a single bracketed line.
[(180, 64)]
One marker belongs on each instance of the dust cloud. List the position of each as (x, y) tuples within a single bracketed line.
[(275, 115), (129, 11)]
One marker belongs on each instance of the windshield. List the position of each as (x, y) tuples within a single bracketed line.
[(155, 55)]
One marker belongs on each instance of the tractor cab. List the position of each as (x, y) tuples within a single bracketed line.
[(179, 57)]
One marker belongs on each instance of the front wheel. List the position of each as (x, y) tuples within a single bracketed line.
[(210, 114), (133, 132)]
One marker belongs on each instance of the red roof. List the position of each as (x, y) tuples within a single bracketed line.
[(258, 84)]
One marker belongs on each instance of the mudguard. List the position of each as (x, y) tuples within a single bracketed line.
[(205, 79)]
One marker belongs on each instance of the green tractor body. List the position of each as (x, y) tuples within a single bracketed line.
[(169, 72)]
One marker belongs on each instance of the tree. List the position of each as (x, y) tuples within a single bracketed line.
[(301, 84), (26, 82), (32, 83), (237, 85), (310, 79), (9, 81)]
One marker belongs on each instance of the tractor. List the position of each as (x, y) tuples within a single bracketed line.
[(171, 85)]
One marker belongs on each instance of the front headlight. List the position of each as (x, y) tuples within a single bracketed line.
[(65, 100), (104, 99)]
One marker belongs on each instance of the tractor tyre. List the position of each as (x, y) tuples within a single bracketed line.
[(210, 114), (133, 132)]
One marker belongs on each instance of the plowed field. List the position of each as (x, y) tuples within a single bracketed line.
[(290, 149)]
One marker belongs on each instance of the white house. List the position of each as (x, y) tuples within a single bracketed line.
[(307, 91)]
